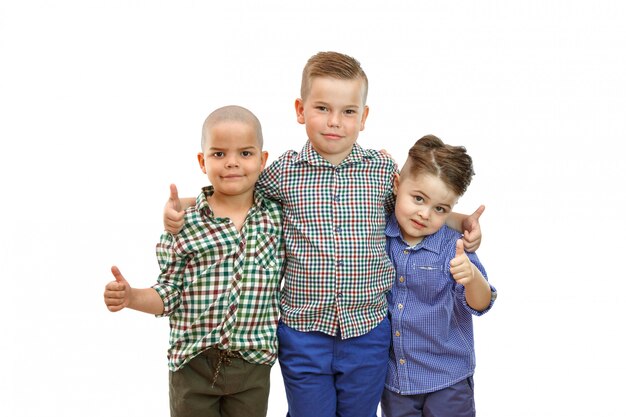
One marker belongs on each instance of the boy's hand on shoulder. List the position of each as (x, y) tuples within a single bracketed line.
[(384, 152), (117, 293), (173, 214), (461, 267), (471, 230)]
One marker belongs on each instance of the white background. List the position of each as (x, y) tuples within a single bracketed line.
[(101, 104)]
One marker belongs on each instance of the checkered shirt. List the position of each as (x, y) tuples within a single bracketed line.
[(431, 322), (220, 287), (337, 271)]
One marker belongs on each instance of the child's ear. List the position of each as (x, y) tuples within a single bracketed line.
[(299, 105), (366, 112), (396, 183), (201, 161)]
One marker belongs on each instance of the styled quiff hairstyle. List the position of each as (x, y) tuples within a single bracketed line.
[(231, 114), (449, 163), (333, 65)]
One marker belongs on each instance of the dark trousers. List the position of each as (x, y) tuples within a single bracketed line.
[(241, 389), (454, 401)]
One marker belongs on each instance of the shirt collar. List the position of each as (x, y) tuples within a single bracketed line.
[(432, 243), (202, 201), (310, 155)]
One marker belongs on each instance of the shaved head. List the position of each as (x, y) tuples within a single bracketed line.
[(232, 114)]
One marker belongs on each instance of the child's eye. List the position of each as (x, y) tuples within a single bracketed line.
[(322, 108), (246, 153), (350, 111), (218, 154), (419, 199), (440, 209)]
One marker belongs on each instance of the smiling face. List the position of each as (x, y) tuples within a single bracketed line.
[(334, 113), (232, 158), (423, 203)]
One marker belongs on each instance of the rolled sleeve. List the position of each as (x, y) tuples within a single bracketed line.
[(460, 289), (169, 283)]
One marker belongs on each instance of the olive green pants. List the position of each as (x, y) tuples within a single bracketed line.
[(215, 385)]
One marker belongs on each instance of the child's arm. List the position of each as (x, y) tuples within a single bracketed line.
[(469, 226), (464, 272), (118, 295), (174, 211)]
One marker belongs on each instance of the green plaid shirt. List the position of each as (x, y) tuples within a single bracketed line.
[(337, 270), (220, 287)]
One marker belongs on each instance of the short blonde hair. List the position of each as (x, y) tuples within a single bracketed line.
[(233, 114), (333, 65)]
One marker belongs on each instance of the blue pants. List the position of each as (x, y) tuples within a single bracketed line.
[(326, 376), (456, 400)]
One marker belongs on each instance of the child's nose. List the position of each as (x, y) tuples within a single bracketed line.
[(232, 161), (334, 120)]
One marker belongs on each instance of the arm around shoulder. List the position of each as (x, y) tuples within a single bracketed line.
[(469, 226)]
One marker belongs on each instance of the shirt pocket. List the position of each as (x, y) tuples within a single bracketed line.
[(430, 280), (265, 251)]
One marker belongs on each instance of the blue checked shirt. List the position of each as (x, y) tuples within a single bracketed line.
[(432, 336), (221, 287), (337, 272)]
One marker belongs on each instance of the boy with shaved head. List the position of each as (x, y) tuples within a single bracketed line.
[(220, 279)]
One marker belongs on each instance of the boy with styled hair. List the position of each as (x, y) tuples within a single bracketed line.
[(220, 279), (438, 288), (334, 333)]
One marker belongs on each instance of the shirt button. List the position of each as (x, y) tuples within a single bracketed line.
[(400, 306), (338, 229), (401, 279), (402, 361), (406, 252), (397, 333), (339, 263)]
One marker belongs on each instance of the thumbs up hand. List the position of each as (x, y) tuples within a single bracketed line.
[(117, 293), (461, 267), (173, 214)]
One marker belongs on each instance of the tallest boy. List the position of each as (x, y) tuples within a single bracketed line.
[(334, 334)]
